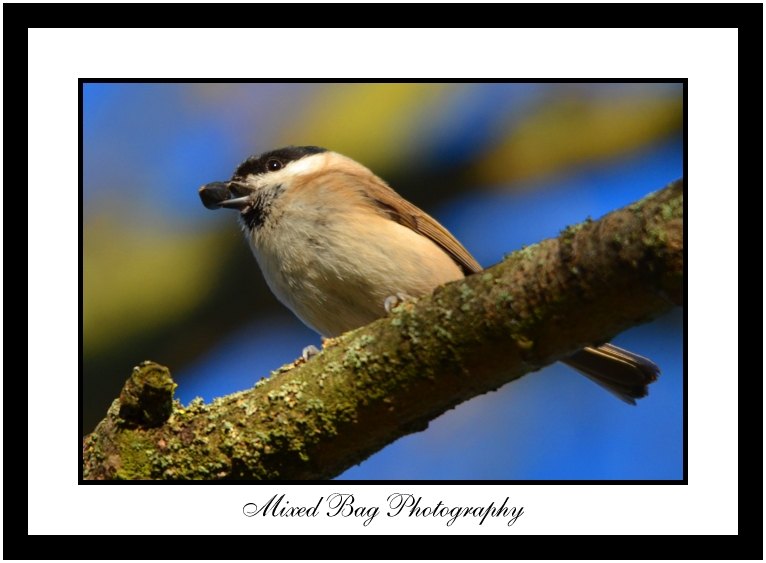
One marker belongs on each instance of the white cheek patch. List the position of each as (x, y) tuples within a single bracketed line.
[(305, 165)]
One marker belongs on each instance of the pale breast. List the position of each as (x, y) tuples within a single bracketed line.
[(334, 271)]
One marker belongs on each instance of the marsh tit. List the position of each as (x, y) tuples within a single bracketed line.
[(335, 243)]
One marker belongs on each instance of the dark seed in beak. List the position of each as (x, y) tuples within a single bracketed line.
[(214, 193)]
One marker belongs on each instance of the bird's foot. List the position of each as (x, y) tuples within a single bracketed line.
[(309, 352), (395, 300)]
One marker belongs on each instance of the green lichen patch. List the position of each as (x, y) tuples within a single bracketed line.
[(135, 455), (672, 209)]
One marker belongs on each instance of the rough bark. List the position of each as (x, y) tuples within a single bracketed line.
[(313, 420)]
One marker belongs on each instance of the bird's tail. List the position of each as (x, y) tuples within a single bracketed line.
[(622, 373)]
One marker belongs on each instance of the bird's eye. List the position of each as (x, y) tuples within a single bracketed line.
[(273, 165)]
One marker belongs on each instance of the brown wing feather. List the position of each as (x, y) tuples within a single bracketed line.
[(409, 215)]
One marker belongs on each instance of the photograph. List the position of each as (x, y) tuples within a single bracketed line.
[(379, 281)]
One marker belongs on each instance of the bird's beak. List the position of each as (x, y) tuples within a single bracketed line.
[(236, 203), (221, 194)]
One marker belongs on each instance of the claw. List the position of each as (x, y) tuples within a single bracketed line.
[(309, 352), (395, 300)]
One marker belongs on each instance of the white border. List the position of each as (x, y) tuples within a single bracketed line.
[(708, 505)]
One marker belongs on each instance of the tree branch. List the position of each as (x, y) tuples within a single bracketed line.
[(313, 420)]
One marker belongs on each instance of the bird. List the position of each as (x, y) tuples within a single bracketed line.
[(339, 247)]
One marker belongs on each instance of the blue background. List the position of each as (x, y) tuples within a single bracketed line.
[(147, 147)]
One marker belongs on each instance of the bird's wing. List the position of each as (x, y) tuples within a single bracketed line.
[(403, 212)]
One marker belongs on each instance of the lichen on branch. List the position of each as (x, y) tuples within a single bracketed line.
[(313, 420)]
